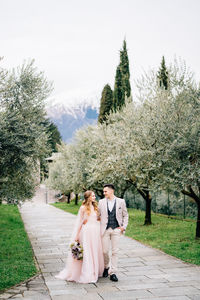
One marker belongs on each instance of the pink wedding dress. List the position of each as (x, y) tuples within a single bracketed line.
[(91, 267)]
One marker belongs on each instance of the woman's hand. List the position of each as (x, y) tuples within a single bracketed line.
[(77, 239), (85, 221)]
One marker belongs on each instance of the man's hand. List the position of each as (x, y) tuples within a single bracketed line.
[(122, 229)]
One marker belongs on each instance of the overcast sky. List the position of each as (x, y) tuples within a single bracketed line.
[(77, 42)]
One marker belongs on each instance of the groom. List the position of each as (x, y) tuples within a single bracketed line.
[(114, 220)]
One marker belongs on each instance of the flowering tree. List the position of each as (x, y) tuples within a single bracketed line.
[(151, 146), (128, 156), (175, 131)]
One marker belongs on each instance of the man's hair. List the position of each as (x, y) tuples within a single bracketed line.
[(109, 185)]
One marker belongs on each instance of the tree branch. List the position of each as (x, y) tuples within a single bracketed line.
[(191, 194), (142, 193)]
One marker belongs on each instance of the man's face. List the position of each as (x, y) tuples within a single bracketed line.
[(108, 192)]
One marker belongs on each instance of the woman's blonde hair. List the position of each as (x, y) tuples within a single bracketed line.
[(86, 203)]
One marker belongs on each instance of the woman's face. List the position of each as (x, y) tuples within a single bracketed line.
[(92, 197)]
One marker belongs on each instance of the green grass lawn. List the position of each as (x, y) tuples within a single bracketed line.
[(16, 255), (69, 207), (174, 237)]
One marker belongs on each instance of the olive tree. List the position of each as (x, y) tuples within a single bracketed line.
[(175, 132), (23, 138)]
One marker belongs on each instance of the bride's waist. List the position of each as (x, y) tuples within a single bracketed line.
[(93, 222)]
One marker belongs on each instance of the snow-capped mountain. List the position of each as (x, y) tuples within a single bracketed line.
[(70, 118)]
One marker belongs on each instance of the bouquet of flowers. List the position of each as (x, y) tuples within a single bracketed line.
[(77, 250)]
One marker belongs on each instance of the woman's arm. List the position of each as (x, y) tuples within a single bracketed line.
[(81, 221)]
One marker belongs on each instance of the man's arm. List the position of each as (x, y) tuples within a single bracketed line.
[(99, 205), (99, 211), (124, 215)]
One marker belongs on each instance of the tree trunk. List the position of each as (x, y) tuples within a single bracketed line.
[(147, 197), (123, 191), (147, 220), (198, 222), (196, 198), (76, 199), (68, 198)]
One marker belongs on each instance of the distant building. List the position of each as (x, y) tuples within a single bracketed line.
[(50, 159)]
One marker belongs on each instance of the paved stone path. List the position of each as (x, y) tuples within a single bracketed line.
[(144, 273)]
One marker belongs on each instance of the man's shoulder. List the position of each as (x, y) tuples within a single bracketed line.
[(102, 200), (120, 199)]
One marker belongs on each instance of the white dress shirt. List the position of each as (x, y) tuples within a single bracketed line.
[(111, 204)]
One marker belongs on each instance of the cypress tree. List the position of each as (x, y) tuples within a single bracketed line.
[(163, 75), (106, 104), (124, 66), (54, 136), (119, 95), (122, 88)]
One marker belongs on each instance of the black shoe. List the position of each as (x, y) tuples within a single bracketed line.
[(113, 277), (105, 272)]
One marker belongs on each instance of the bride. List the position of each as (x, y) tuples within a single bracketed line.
[(87, 232)]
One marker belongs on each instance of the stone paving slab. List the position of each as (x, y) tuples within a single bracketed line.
[(144, 273), (34, 289), (170, 298), (128, 295)]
